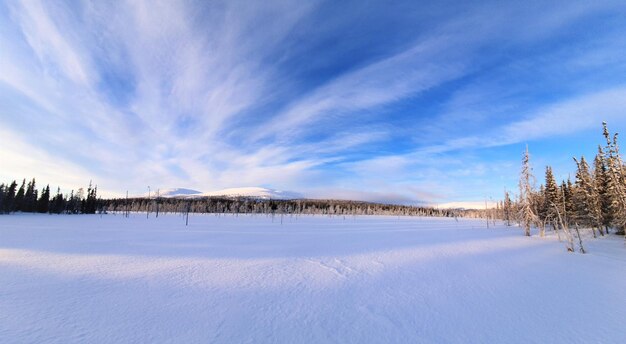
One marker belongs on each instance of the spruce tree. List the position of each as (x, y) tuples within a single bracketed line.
[(3, 195), (9, 202), (567, 202), (30, 197), (507, 208), (551, 199), (19, 197), (91, 200), (540, 210), (588, 211), (526, 213), (601, 183), (616, 180), (43, 203), (58, 203)]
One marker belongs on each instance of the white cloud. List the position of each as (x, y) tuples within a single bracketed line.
[(561, 118), (50, 45), (192, 106)]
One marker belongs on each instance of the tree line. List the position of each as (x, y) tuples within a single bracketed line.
[(28, 199), (595, 199), (247, 205)]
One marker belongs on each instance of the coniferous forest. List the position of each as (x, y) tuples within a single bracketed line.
[(594, 200), (26, 198)]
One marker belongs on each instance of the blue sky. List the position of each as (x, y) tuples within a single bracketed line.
[(404, 101)]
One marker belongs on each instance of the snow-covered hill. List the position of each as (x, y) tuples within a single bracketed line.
[(253, 192), (176, 192)]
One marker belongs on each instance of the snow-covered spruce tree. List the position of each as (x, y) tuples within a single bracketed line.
[(507, 208), (551, 199), (567, 201), (601, 183), (616, 180), (588, 212), (563, 209), (540, 210), (527, 215)]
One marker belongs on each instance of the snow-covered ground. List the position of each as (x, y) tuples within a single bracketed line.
[(251, 279)]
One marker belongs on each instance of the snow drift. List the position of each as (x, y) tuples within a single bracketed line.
[(317, 279)]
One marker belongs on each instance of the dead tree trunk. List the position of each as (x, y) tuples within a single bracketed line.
[(580, 240), (568, 235)]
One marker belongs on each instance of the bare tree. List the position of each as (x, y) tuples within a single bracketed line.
[(568, 235)]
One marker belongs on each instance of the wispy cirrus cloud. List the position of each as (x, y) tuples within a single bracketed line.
[(370, 100)]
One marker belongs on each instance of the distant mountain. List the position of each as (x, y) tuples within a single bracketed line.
[(252, 192), (174, 192)]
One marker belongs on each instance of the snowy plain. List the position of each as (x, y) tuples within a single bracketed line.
[(311, 279)]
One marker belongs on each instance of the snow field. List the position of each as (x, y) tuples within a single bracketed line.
[(311, 279)]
